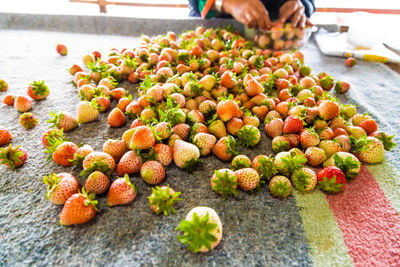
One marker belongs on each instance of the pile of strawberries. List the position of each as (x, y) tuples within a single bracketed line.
[(207, 92)]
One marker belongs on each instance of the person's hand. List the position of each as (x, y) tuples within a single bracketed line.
[(294, 9), (251, 13)]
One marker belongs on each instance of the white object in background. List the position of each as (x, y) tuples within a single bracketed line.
[(364, 31)]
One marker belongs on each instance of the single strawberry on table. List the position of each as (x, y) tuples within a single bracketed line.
[(116, 118), (38, 90), (129, 163), (304, 179), (202, 229), (5, 136), (61, 49), (51, 136), (13, 157), (62, 120), (87, 111), (152, 172), (247, 178), (22, 103), (122, 191), (60, 187), (224, 182), (3, 85), (186, 155), (350, 62), (280, 186), (9, 100), (225, 148), (97, 182), (331, 180), (28, 120), (163, 199), (78, 209), (63, 152)]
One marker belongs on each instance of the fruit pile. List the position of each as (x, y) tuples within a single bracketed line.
[(207, 92), (282, 36)]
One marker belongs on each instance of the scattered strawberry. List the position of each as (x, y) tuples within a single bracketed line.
[(152, 172), (80, 154), (247, 178), (304, 179), (292, 124), (309, 138), (28, 120), (315, 156), (280, 186), (22, 104), (97, 183), (62, 120), (205, 142), (60, 187), (224, 182), (64, 153), (62, 49), (5, 136), (227, 109), (98, 161), (163, 154), (387, 140), (350, 62), (87, 111), (115, 148), (163, 199), (3, 86), (240, 162), (249, 135), (202, 229), (9, 100), (217, 128), (328, 110), (122, 191), (225, 148), (142, 138), (280, 143), (369, 126), (129, 163), (265, 167), (274, 127), (186, 155), (342, 87), (13, 157), (331, 180), (347, 162), (368, 149), (78, 209), (37, 90), (116, 118)]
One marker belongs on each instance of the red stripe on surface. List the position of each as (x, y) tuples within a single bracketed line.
[(369, 224)]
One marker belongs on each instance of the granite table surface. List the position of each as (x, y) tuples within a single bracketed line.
[(259, 230)]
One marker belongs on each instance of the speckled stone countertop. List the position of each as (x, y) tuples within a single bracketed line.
[(259, 230)]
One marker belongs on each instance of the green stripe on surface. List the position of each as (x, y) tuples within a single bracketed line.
[(322, 232), (388, 178)]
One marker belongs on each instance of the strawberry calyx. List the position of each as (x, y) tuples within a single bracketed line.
[(230, 143), (197, 233), (347, 165), (52, 146), (330, 186), (54, 133), (304, 70), (90, 199), (280, 188), (163, 200), (238, 164), (172, 114), (387, 140), (39, 88), (52, 182), (10, 156), (300, 179), (225, 184), (280, 146), (192, 164), (56, 119), (293, 162), (129, 183), (96, 166), (28, 120), (359, 145), (267, 167), (77, 161), (248, 136)]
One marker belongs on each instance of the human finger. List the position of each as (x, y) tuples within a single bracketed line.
[(297, 15)]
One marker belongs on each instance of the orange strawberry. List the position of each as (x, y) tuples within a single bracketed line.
[(328, 110), (37, 90), (181, 129), (142, 138), (227, 109), (122, 191), (152, 172), (74, 69), (9, 100), (115, 148), (5, 136), (369, 125), (62, 49), (186, 155), (292, 124), (274, 127), (326, 133), (234, 125), (253, 87), (163, 154), (22, 104), (78, 209), (205, 142), (116, 118), (64, 153), (98, 161), (80, 155), (103, 103), (227, 80), (62, 120), (309, 138), (97, 183), (13, 157), (130, 163), (3, 86), (162, 200), (60, 187), (247, 178), (225, 148), (133, 109), (123, 103)]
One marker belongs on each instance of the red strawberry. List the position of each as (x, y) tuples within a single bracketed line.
[(227, 109), (247, 178), (51, 135), (274, 127), (163, 154), (74, 69), (62, 120), (369, 126), (97, 183), (205, 142), (129, 163), (142, 138), (253, 87), (225, 148), (163, 199), (22, 103), (350, 62), (186, 155), (115, 148), (280, 186), (123, 103), (116, 118), (5, 136), (331, 180), (315, 156), (60, 187), (293, 124), (28, 120), (240, 162), (64, 153), (326, 133), (342, 87), (62, 49), (294, 139), (234, 125), (98, 161), (3, 86), (328, 110), (137, 123), (122, 191), (9, 100), (181, 129), (152, 172), (78, 209), (37, 90), (118, 93), (13, 157), (309, 138), (103, 103), (224, 182)]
